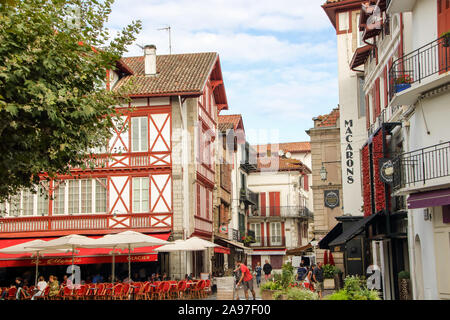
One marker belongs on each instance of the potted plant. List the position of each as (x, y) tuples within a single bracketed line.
[(328, 275), (355, 288), (269, 288), (446, 39), (402, 82), (404, 285), (248, 239)]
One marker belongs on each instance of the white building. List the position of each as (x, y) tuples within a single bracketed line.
[(282, 182), (422, 170)]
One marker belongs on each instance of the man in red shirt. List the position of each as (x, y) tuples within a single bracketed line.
[(246, 279)]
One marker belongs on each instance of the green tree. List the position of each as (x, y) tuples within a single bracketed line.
[(53, 104)]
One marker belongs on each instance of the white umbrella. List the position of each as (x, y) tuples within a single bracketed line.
[(126, 240), (70, 242), (25, 248), (191, 244)]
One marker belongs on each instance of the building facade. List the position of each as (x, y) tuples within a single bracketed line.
[(326, 179), (284, 216), (157, 173)]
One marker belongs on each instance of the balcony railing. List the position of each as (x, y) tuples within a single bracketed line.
[(75, 223), (284, 212), (249, 197), (421, 165), (269, 241), (430, 59)]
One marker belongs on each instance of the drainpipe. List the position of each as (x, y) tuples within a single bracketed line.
[(185, 168)]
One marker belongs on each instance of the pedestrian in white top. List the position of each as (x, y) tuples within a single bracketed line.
[(41, 285)]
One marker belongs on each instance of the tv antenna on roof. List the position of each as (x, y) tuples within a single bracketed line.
[(170, 39)]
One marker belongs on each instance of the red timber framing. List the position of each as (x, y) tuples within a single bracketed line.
[(208, 109), (116, 173)]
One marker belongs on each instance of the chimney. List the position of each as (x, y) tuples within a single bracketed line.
[(150, 60)]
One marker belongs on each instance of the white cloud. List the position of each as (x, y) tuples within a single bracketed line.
[(272, 76)]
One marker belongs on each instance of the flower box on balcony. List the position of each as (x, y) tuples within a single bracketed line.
[(402, 86)]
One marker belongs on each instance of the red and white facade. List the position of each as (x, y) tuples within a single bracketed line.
[(157, 175)]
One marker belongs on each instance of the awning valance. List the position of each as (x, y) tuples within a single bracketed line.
[(222, 250), (298, 251), (330, 236), (427, 199), (84, 255), (353, 230)]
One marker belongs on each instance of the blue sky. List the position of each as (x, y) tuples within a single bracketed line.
[(278, 58)]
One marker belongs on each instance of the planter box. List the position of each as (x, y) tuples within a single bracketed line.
[(267, 294), (225, 288), (402, 86), (328, 284), (405, 289)]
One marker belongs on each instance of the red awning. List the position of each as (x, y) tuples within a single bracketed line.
[(222, 250), (84, 256)]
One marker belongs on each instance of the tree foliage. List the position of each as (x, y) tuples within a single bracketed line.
[(53, 104)]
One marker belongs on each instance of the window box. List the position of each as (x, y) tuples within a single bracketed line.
[(402, 86)]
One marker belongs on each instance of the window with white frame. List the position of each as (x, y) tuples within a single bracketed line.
[(141, 195), (80, 196), (256, 227), (27, 203), (359, 34), (100, 195), (275, 233), (139, 134)]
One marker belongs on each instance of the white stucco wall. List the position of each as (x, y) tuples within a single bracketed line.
[(348, 102)]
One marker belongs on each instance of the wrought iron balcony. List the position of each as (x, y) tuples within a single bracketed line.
[(430, 59), (283, 212), (269, 241), (249, 197), (420, 166)]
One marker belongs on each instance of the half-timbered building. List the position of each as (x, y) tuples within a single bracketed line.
[(156, 175)]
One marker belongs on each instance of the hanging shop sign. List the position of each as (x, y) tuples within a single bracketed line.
[(331, 198), (386, 170)]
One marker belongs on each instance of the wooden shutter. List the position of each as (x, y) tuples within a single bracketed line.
[(305, 182), (262, 201), (377, 98), (443, 25), (385, 75), (274, 203)]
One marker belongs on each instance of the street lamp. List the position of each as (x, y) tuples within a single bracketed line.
[(323, 172)]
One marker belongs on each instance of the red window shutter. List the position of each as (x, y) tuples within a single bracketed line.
[(305, 182), (262, 233), (377, 97), (268, 233), (385, 75), (274, 203), (262, 201), (198, 200), (367, 112), (277, 204), (207, 203), (282, 234)]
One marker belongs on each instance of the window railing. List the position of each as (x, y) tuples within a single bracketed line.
[(419, 64), (284, 212), (421, 165), (269, 241)]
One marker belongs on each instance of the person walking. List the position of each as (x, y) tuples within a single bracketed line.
[(309, 280), (318, 279), (258, 271), (267, 268), (246, 279), (301, 272)]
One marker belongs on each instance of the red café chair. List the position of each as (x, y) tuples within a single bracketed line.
[(100, 292), (91, 290), (165, 290), (158, 290), (126, 289), (144, 288), (181, 289), (117, 291), (44, 296), (207, 289), (80, 293), (199, 288), (11, 293), (67, 293)]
